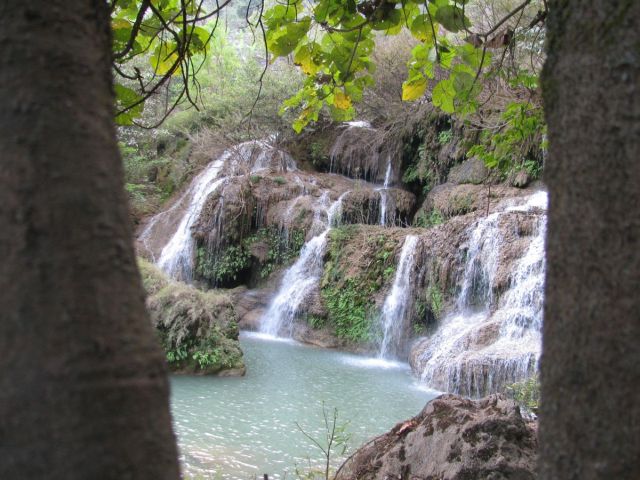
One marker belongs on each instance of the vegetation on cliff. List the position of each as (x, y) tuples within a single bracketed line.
[(197, 330), (359, 263)]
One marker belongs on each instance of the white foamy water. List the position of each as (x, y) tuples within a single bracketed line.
[(487, 343), (384, 196), (176, 258), (303, 275), (394, 311)]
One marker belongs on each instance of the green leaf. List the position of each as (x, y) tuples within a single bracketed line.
[(422, 30), (390, 19), (413, 89), (341, 101), (473, 56), (125, 97), (279, 15), (451, 18), (164, 57), (305, 57), (285, 39), (443, 96)]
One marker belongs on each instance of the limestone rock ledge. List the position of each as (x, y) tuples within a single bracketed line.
[(453, 438)]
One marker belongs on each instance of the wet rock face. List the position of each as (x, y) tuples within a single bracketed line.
[(452, 199), (453, 438), (360, 152), (471, 171)]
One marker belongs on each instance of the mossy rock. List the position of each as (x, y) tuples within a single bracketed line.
[(198, 330)]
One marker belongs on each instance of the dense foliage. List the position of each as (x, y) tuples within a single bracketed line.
[(347, 291), (225, 267)]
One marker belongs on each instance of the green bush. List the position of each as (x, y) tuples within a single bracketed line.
[(518, 145), (526, 393), (225, 266), (427, 220)]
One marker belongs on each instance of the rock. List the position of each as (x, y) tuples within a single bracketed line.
[(198, 330), (451, 200), (233, 372), (250, 305), (453, 438), (519, 179), (471, 171), (323, 338)]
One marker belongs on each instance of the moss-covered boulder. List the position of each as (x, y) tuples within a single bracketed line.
[(198, 330)]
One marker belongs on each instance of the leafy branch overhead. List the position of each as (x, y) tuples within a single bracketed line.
[(333, 40), (153, 42)]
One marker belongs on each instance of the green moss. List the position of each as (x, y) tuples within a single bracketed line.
[(225, 267), (197, 330), (316, 321), (348, 289), (153, 280)]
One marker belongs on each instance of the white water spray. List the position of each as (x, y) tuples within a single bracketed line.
[(176, 258), (384, 195), (303, 275), (394, 310), (479, 349)]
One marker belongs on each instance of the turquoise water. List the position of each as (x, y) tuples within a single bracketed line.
[(239, 428)]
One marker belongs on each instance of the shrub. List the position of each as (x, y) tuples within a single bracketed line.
[(526, 393)]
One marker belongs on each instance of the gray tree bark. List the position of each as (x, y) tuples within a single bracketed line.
[(590, 367), (83, 388)]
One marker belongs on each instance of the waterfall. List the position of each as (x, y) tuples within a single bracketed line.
[(394, 310), (481, 264), (384, 195), (176, 256), (304, 274), (486, 343)]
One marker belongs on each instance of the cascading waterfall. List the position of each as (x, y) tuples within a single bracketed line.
[(304, 274), (480, 348), (394, 310), (176, 257)]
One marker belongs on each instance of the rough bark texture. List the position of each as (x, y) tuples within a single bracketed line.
[(83, 390), (590, 418)]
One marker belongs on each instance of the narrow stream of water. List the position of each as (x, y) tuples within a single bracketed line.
[(240, 428)]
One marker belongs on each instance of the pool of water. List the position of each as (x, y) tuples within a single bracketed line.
[(239, 428)]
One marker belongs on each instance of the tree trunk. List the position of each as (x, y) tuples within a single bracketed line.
[(83, 388), (590, 367)]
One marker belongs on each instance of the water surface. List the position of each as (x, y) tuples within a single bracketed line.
[(237, 428)]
